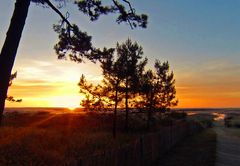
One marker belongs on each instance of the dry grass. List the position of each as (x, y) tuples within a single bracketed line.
[(50, 139), (44, 138)]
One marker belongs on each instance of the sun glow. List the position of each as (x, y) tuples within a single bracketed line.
[(70, 101), (72, 108)]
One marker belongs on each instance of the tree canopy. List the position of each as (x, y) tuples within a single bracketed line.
[(125, 77), (73, 42)]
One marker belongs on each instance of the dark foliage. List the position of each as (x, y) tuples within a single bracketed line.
[(11, 98), (126, 13), (125, 78), (96, 97), (158, 88), (73, 42), (76, 45), (177, 115)]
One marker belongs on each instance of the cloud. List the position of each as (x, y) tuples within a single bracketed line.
[(50, 94), (209, 80), (211, 73), (213, 81)]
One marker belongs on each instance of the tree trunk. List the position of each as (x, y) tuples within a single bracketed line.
[(115, 113), (10, 47), (126, 105)]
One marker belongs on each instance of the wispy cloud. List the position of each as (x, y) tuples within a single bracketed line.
[(210, 81)]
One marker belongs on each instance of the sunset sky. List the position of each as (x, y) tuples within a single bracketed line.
[(200, 39)]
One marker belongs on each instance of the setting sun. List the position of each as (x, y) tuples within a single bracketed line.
[(70, 102), (72, 108)]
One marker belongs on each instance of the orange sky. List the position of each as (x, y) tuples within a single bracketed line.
[(38, 87), (201, 45)]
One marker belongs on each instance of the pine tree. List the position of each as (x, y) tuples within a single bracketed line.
[(166, 97), (128, 58), (95, 96), (158, 90)]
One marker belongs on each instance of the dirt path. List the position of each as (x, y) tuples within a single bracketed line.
[(228, 147)]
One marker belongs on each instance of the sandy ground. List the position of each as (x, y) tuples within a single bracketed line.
[(228, 146)]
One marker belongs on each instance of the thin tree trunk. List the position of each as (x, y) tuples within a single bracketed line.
[(126, 105), (10, 47), (115, 113)]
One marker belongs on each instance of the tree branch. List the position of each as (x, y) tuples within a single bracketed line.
[(130, 6), (124, 12), (59, 13)]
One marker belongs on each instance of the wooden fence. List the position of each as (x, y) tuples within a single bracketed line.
[(145, 150)]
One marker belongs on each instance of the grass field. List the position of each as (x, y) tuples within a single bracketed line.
[(44, 138), (49, 139)]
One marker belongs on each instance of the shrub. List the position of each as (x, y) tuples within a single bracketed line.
[(236, 123), (177, 115), (167, 121), (206, 123)]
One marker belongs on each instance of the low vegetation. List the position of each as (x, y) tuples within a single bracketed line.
[(177, 115), (48, 139), (232, 120), (197, 150), (206, 120)]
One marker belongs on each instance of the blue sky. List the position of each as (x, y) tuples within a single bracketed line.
[(200, 39)]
